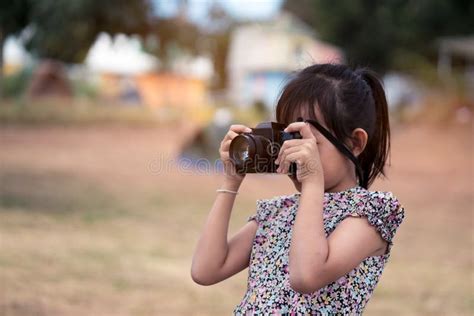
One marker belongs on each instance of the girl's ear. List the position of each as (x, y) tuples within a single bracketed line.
[(359, 141)]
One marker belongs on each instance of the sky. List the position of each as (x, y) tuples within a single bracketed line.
[(239, 9)]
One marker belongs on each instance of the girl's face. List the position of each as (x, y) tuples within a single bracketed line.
[(339, 172)]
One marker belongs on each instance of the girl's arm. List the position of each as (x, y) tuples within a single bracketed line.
[(215, 259), (316, 261)]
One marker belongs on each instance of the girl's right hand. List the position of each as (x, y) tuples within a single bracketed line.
[(230, 173)]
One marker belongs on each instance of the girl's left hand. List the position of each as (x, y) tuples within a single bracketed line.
[(302, 151)]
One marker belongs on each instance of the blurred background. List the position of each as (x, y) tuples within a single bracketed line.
[(111, 113)]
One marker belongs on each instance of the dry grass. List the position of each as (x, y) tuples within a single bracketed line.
[(88, 228)]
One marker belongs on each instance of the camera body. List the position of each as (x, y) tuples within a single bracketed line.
[(255, 152)]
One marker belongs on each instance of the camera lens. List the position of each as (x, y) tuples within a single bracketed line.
[(250, 152), (240, 149)]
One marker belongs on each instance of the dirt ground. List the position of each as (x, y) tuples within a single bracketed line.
[(101, 221)]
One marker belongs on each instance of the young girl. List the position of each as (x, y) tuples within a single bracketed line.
[(320, 251)]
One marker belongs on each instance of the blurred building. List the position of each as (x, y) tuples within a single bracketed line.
[(128, 74), (171, 89), (121, 54), (263, 55), (457, 52)]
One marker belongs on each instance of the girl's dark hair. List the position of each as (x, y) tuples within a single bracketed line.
[(347, 99)]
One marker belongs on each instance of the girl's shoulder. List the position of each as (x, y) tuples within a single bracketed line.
[(382, 209), (362, 198), (384, 204), (382, 196), (355, 196)]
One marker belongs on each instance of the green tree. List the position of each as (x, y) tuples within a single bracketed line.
[(179, 35), (14, 16), (220, 35), (64, 30), (175, 35), (381, 33)]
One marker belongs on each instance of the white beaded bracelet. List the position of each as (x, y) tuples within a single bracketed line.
[(227, 191)]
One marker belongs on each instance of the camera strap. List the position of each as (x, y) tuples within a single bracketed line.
[(341, 147)]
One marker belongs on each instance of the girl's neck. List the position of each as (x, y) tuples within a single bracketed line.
[(342, 185)]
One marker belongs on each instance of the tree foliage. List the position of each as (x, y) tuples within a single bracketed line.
[(64, 30), (178, 34), (380, 33), (14, 16)]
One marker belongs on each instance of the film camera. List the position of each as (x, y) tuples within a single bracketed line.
[(255, 152)]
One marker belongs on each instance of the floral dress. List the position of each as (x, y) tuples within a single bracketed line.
[(268, 288)]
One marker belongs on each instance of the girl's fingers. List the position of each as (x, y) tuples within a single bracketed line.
[(225, 156), (285, 152), (291, 143), (307, 150), (230, 135), (235, 130), (295, 157), (292, 157), (240, 128), (285, 159), (303, 128), (226, 145), (294, 145)]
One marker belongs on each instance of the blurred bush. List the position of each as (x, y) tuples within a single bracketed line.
[(14, 85), (84, 89), (58, 112)]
